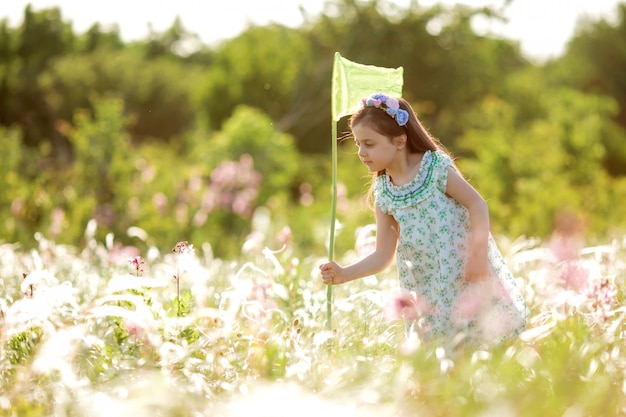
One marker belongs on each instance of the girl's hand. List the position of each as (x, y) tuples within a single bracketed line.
[(332, 273), (476, 270)]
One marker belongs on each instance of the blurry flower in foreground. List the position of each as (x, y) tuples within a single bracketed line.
[(120, 254), (407, 306), (170, 354), (574, 275), (469, 303), (284, 236), (365, 239), (254, 242), (36, 279), (602, 296), (137, 263), (565, 247), (185, 254), (28, 288), (567, 239), (186, 259), (135, 329), (182, 247)]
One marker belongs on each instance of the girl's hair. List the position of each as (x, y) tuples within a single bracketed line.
[(418, 137)]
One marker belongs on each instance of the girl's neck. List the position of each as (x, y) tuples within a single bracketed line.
[(405, 169)]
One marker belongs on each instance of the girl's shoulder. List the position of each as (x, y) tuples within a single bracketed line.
[(440, 156)]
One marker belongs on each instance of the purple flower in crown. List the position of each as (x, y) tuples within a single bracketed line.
[(380, 96), (402, 117), (392, 103)]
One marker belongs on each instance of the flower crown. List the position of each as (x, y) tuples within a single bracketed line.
[(390, 105)]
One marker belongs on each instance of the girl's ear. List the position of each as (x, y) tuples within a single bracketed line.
[(400, 141)]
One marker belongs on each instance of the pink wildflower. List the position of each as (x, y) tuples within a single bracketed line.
[(134, 329), (185, 252), (469, 304), (120, 254), (285, 236), (408, 306), (234, 186), (602, 296), (567, 237), (182, 247), (573, 275), (137, 263)]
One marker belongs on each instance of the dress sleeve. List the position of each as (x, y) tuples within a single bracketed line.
[(378, 189), (443, 162)]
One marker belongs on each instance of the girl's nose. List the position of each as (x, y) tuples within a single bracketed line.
[(361, 151)]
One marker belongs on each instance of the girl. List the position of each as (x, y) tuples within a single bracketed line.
[(437, 225)]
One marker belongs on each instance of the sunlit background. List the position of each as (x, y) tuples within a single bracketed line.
[(165, 193), (542, 27)]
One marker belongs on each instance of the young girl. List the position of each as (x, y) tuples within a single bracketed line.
[(437, 225)]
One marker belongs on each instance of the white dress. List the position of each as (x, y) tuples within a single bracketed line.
[(431, 257)]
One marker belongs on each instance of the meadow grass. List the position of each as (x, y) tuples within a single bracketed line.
[(103, 331)]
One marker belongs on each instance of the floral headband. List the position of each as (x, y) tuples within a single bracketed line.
[(390, 105)]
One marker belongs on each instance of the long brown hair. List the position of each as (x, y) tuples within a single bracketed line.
[(419, 139)]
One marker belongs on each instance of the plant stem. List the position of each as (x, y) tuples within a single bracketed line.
[(178, 292)]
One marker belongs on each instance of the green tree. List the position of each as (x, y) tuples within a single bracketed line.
[(102, 171), (96, 38), (42, 37), (286, 72), (262, 68), (595, 62), (249, 131), (156, 97), (447, 65), (529, 172), (175, 42), (14, 187)]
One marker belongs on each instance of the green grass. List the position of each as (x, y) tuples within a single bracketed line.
[(251, 339)]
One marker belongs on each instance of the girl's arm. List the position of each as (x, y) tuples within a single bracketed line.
[(477, 267), (379, 259)]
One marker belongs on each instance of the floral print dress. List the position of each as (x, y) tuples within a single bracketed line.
[(431, 257)]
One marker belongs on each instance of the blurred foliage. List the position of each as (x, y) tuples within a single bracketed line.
[(249, 131), (191, 142), (160, 104), (594, 63), (97, 186), (549, 165)]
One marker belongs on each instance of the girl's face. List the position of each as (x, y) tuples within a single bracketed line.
[(376, 151)]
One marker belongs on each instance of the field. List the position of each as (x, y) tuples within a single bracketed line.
[(103, 330)]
